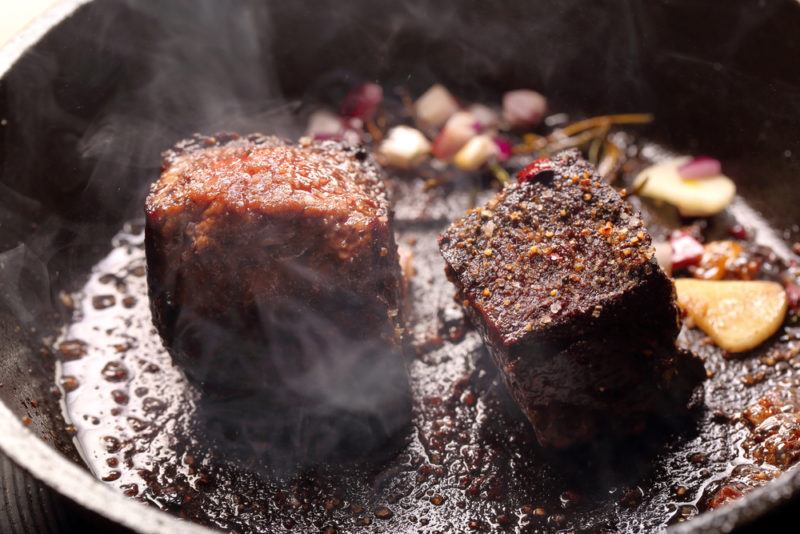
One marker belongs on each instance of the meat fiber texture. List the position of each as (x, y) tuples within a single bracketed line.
[(559, 275), (273, 271)]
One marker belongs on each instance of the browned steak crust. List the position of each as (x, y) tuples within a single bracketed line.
[(273, 266), (558, 273)]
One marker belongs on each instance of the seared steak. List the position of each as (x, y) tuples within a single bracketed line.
[(273, 267), (558, 274)]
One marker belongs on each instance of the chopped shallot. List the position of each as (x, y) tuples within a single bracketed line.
[(700, 167), (324, 125), (793, 295), (435, 106), (404, 147), (738, 231)]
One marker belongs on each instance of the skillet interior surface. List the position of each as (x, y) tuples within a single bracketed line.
[(86, 114)]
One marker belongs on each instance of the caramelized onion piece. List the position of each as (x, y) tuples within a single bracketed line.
[(700, 167)]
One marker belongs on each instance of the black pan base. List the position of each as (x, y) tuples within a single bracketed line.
[(470, 461)]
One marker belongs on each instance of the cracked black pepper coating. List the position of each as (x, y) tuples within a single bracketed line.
[(558, 262)]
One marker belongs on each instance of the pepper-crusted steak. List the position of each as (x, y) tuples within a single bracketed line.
[(558, 273)]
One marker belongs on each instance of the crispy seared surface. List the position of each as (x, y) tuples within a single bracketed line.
[(254, 241), (265, 176), (559, 275), (542, 255)]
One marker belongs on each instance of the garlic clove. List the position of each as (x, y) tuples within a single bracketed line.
[(475, 153), (700, 197), (737, 315)]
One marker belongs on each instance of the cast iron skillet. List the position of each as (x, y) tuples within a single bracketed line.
[(92, 92)]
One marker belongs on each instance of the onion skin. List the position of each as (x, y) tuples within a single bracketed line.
[(504, 148), (700, 167)]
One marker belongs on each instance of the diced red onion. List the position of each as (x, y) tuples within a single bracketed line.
[(793, 295), (686, 250), (363, 101), (504, 148), (352, 123), (348, 136), (738, 231), (456, 132), (324, 125), (486, 116), (539, 169), (700, 167), (524, 108), (351, 136)]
